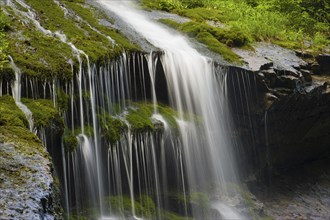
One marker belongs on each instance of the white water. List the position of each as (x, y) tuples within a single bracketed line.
[(16, 91), (193, 87)]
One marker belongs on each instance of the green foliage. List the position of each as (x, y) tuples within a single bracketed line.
[(139, 118), (10, 114), (44, 114), (278, 21), (3, 41), (22, 138), (36, 53), (69, 140), (215, 39), (144, 207), (46, 56), (112, 128), (62, 100)]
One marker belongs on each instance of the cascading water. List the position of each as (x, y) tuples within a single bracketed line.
[(178, 162), (193, 160), (16, 91)]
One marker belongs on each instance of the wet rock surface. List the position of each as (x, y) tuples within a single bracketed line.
[(26, 184), (300, 193)]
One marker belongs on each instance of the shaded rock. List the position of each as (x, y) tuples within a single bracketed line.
[(304, 55), (285, 81), (299, 193), (306, 75), (324, 63), (266, 66)]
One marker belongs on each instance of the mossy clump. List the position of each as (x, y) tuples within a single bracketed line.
[(70, 141), (139, 118), (112, 128), (10, 114), (144, 207), (214, 45), (215, 39), (62, 100), (44, 114), (21, 137), (45, 55)]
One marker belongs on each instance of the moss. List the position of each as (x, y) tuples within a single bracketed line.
[(46, 56), (214, 45), (215, 39), (202, 201), (112, 128), (202, 14), (62, 100), (44, 114), (92, 16), (10, 114), (36, 53), (27, 142), (69, 140), (139, 118), (144, 207)]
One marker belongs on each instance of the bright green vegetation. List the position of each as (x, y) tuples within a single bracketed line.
[(112, 128), (10, 114), (14, 127), (144, 207), (45, 55), (297, 24), (44, 114), (36, 53), (139, 119), (3, 42), (215, 39), (70, 140)]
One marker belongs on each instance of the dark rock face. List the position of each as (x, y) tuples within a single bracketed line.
[(282, 116), (300, 193), (323, 61), (26, 184)]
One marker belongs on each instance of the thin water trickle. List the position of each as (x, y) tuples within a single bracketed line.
[(16, 91)]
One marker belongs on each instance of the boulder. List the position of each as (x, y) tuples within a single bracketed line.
[(26, 184)]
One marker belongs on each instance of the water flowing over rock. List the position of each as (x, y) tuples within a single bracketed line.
[(166, 133)]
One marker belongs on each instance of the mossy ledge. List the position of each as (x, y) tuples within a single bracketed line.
[(25, 166), (46, 55), (215, 39)]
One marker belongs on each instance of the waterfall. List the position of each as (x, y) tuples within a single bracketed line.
[(16, 91), (180, 159), (194, 160)]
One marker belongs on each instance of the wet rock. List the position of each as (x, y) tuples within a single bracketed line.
[(287, 81), (304, 55), (306, 75), (26, 184), (266, 66), (299, 193), (324, 63)]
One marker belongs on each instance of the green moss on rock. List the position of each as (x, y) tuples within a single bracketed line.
[(215, 39), (139, 118), (112, 128), (10, 114), (44, 114)]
